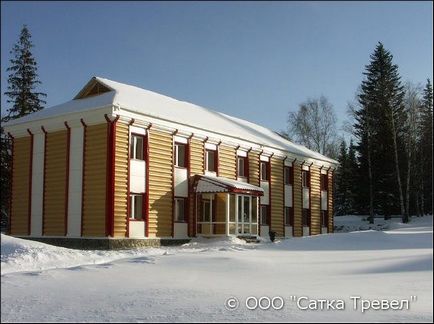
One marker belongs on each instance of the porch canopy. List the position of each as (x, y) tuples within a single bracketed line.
[(208, 184), (225, 207)]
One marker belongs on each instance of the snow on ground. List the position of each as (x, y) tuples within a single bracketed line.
[(192, 282)]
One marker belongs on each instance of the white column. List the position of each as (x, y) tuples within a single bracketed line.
[(37, 183), (228, 201), (75, 181)]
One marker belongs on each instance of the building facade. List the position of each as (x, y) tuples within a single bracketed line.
[(122, 162)]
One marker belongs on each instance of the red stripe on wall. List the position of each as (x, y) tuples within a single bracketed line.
[(29, 223), (82, 174), (44, 178), (127, 234), (147, 182), (11, 182), (68, 146)]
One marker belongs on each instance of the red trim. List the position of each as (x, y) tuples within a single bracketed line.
[(29, 221), (283, 184), (11, 182), (44, 179), (83, 164), (68, 152), (110, 171), (269, 193), (127, 217), (146, 143), (260, 211), (173, 183), (310, 203), (293, 206), (187, 163)]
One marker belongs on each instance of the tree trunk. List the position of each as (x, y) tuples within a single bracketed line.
[(398, 175)]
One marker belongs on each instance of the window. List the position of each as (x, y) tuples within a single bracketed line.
[(265, 171), (305, 175), (324, 182), (242, 166), (136, 206), (264, 215), (211, 160), (324, 218), (180, 209), (137, 145), (289, 216), (289, 177), (206, 210), (306, 217), (180, 155)]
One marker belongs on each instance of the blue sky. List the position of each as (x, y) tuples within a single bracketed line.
[(253, 60)]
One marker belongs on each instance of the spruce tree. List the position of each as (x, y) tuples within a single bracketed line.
[(426, 147), (340, 184), (352, 168), (24, 98), (379, 130)]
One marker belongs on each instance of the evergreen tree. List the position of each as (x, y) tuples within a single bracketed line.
[(340, 184), (25, 99), (426, 147), (352, 168), (379, 131)]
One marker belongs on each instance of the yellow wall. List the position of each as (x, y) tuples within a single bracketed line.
[(95, 178), (227, 162), (297, 200), (55, 183), (253, 168), (160, 183), (315, 200), (20, 186), (196, 167), (277, 196), (121, 179)]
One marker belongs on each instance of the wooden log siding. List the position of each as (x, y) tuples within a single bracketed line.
[(315, 200), (94, 181), (277, 196), (20, 186), (160, 183), (253, 168), (55, 183), (196, 167), (227, 162), (330, 201), (298, 200), (121, 180)]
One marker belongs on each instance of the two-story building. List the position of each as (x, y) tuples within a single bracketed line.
[(120, 162)]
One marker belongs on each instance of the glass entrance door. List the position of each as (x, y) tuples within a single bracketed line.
[(244, 214)]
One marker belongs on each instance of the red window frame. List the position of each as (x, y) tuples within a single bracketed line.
[(143, 195), (215, 160), (175, 161), (289, 216), (305, 176), (289, 175), (144, 147), (245, 169), (324, 181), (267, 171), (185, 210)]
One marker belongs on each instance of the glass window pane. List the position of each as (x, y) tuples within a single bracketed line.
[(137, 206), (206, 211), (241, 166), (232, 209), (179, 210), (139, 148), (240, 209), (180, 157), (254, 209), (211, 161), (246, 209)]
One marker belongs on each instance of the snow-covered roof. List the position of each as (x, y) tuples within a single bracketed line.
[(210, 184), (153, 104)]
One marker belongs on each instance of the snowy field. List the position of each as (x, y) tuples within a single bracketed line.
[(192, 282)]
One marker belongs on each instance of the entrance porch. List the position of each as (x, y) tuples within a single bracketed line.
[(225, 207)]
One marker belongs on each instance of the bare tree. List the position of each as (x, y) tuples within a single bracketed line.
[(314, 126)]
